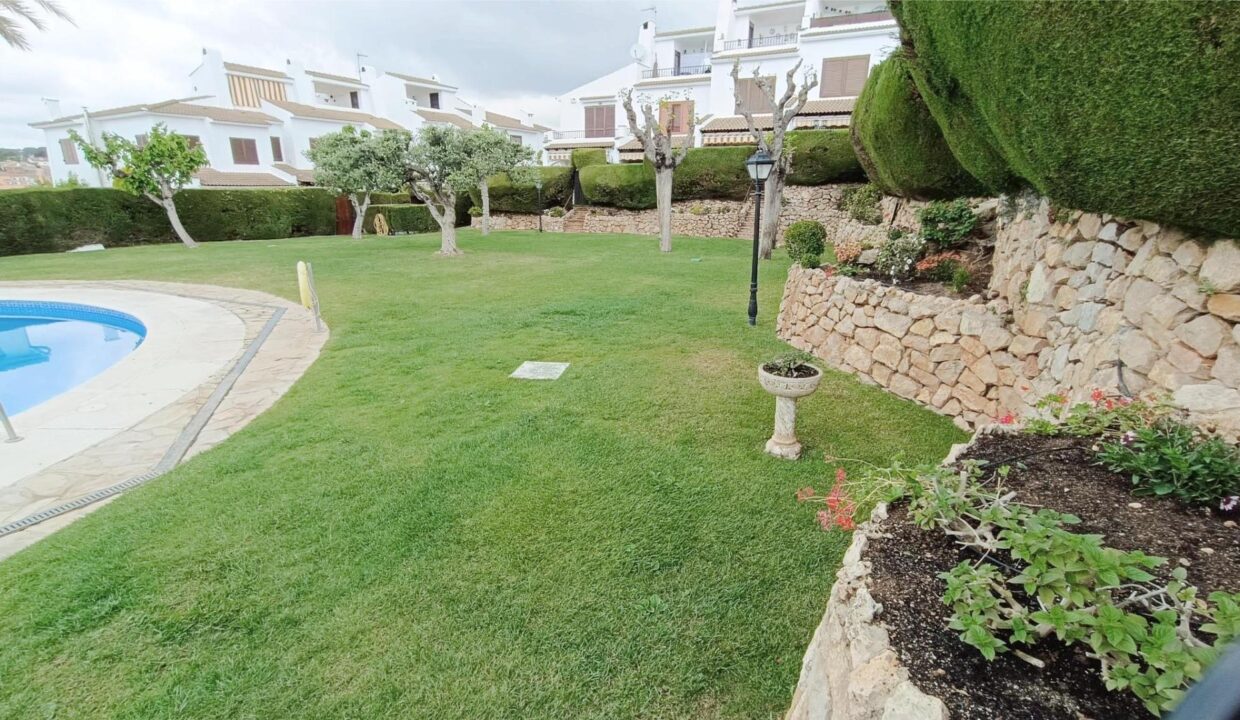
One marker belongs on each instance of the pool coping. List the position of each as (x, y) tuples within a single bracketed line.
[(276, 342)]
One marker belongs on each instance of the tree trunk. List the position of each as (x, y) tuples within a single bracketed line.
[(663, 200), (447, 228), (175, 220), (772, 204), (359, 213), (485, 191)]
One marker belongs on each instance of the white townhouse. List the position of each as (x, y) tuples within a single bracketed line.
[(255, 124), (688, 72)]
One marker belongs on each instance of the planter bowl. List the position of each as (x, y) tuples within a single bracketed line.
[(780, 386)]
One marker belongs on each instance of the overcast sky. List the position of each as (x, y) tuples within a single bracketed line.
[(508, 54)]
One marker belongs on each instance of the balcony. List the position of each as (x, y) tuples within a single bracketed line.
[(834, 20), (618, 131), (760, 42), (675, 71)]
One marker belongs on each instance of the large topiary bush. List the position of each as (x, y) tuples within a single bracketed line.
[(55, 220), (1131, 108), (901, 144), (623, 186), (402, 217), (521, 195), (585, 157), (713, 173), (820, 157)]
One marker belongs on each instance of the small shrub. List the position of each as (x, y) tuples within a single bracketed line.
[(897, 258), (791, 365), (947, 224), (960, 280), (556, 212), (475, 211), (1173, 459), (940, 267), (806, 241), (847, 251), (861, 203), (1102, 415)]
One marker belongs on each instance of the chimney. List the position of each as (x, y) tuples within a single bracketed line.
[(303, 85), (645, 38), (52, 105), (725, 18), (477, 113), (210, 78)]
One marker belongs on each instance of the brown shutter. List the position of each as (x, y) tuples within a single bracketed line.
[(244, 151), (858, 70), (277, 152), (68, 151), (609, 121), (844, 76), (832, 83)]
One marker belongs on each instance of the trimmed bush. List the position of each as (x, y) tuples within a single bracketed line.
[(403, 218), (947, 224), (806, 241), (55, 220), (820, 157), (861, 203), (1125, 108), (623, 186), (585, 157), (712, 173), (522, 196), (398, 198), (904, 148)]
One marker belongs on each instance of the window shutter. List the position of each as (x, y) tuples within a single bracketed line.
[(68, 151), (832, 78), (858, 70), (277, 152), (244, 151), (609, 120), (844, 76)]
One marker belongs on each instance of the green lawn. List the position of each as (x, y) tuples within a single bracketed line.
[(411, 534)]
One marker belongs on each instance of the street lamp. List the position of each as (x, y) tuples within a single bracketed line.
[(759, 168)]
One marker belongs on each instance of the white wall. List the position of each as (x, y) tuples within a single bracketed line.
[(572, 117)]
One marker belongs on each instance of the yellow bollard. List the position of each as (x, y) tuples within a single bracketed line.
[(303, 285)]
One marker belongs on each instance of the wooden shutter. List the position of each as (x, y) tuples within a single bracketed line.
[(600, 121), (751, 97), (244, 151), (844, 76), (609, 121), (68, 151), (277, 152)]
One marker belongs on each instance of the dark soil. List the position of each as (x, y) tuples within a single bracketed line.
[(800, 371), (1053, 472)]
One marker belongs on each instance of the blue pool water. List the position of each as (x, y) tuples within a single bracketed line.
[(47, 348)]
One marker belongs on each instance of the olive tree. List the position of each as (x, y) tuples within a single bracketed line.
[(658, 148), (783, 109), (438, 169), (491, 152), (358, 163), (156, 170)]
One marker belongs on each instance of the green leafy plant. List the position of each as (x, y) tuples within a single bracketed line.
[(556, 212), (1034, 578), (940, 266), (791, 365), (1170, 458), (475, 211), (1103, 414), (897, 258), (947, 224), (806, 241), (960, 280), (861, 203)]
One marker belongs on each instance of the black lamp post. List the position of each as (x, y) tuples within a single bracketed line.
[(759, 168)]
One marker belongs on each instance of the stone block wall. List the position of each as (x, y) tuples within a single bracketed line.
[(1077, 301), (726, 218)]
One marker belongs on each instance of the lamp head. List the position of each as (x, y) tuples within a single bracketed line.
[(759, 166)]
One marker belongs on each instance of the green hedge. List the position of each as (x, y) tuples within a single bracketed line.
[(585, 157), (1126, 108), (55, 220), (712, 172), (522, 197), (820, 157), (402, 218), (629, 186), (398, 198), (904, 149)]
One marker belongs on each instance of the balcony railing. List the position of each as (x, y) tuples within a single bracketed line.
[(849, 19), (761, 42), (606, 133), (675, 71)]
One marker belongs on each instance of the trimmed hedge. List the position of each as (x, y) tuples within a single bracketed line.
[(402, 217), (904, 149), (821, 157), (55, 220), (522, 197), (1125, 108), (712, 173), (585, 157), (397, 198), (629, 186)]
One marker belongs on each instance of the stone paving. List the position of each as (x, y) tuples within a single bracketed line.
[(235, 318)]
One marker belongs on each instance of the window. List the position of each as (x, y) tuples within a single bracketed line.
[(68, 151), (600, 121), (193, 141), (434, 100), (141, 140), (277, 152), (515, 138), (674, 116), (353, 100), (313, 143), (844, 76), (751, 97), (244, 151)]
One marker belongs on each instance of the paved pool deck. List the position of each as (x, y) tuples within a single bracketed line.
[(214, 358)]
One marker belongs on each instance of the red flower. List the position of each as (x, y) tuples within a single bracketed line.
[(824, 520), (1007, 419), (840, 475), (805, 493), (1097, 396)]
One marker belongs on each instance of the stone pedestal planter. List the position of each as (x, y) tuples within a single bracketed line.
[(783, 442)]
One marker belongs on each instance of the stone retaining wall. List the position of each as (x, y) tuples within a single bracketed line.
[(1077, 302), (726, 218)]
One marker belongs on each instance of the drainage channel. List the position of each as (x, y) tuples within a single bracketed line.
[(181, 445)]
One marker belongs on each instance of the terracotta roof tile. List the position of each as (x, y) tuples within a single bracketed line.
[(442, 116), (209, 177), (634, 145), (322, 113), (305, 175), (182, 106)]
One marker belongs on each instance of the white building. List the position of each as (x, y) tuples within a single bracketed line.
[(255, 124), (688, 73)]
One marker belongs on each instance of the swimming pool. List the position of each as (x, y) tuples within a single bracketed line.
[(47, 348)]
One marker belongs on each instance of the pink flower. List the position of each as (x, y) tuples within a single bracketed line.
[(1097, 396), (805, 493), (1229, 503), (1007, 419), (840, 475), (824, 519)]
